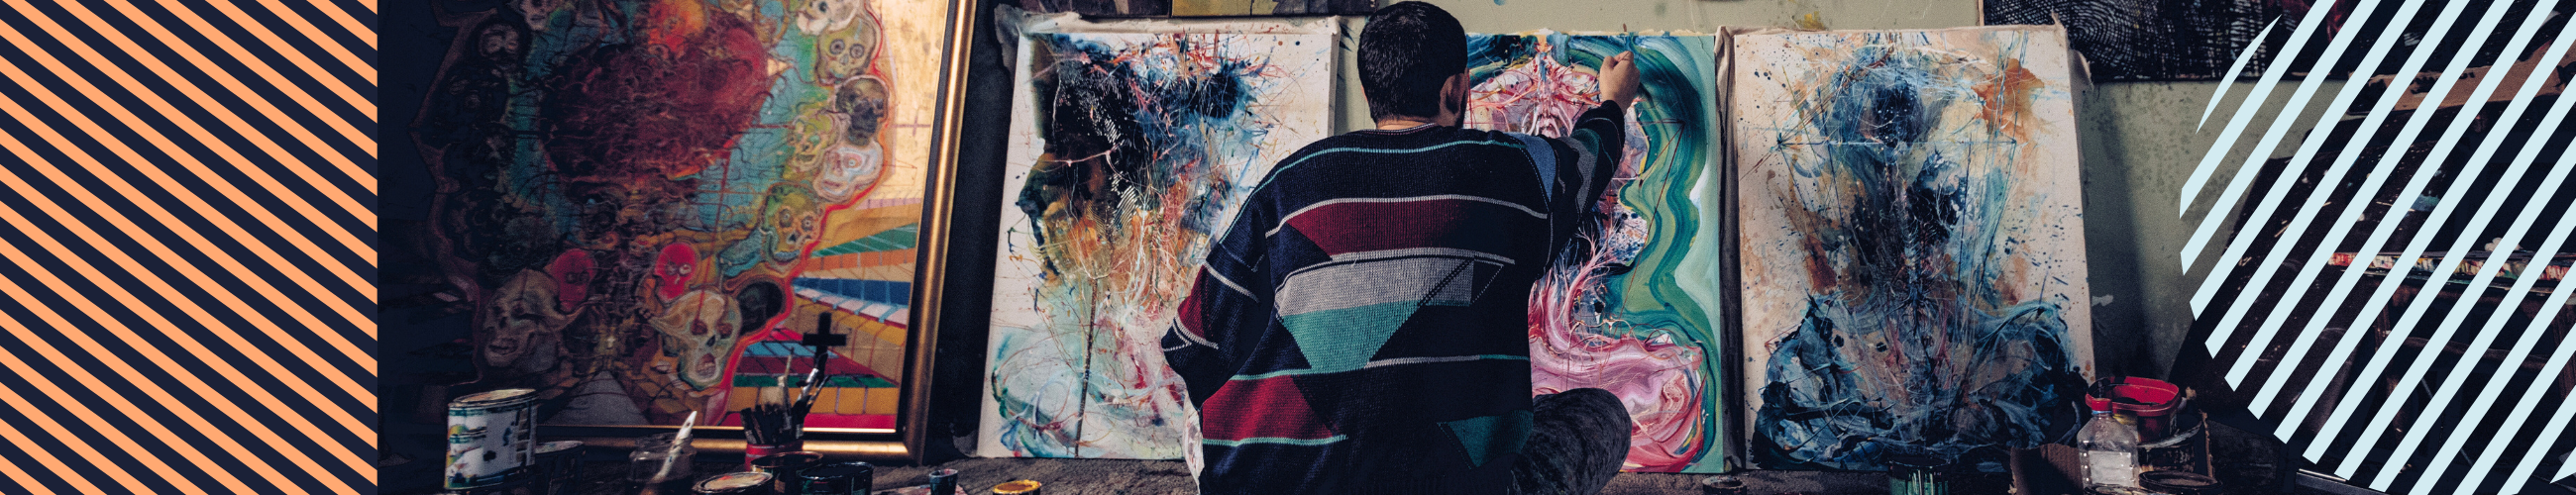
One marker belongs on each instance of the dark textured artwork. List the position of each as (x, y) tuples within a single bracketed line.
[(2189, 40), (2159, 40)]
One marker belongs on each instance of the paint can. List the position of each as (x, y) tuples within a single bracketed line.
[(1721, 485), (2180, 483), (1021, 487), (558, 465), (848, 478), (943, 482), (491, 438), (742, 483), (2153, 401), (1917, 475), (2186, 451), (786, 470)]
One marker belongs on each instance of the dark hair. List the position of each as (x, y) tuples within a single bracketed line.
[(1406, 52)]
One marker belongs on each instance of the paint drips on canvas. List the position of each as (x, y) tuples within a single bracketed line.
[(1913, 252)]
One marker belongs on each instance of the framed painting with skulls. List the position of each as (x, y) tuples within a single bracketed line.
[(649, 203)]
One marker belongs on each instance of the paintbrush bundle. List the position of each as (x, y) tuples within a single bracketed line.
[(776, 424), (770, 424)]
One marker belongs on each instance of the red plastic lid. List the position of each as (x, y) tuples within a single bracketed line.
[(2140, 396)]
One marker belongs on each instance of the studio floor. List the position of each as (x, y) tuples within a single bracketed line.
[(2248, 463)]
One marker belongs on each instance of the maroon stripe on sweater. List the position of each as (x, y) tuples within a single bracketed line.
[(1441, 222), (1265, 408)]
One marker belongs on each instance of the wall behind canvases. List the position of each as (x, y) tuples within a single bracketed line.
[(2138, 145)]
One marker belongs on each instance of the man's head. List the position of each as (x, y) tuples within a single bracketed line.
[(1413, 63)]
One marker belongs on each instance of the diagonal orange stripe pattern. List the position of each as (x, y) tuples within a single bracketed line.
[(188, 261)]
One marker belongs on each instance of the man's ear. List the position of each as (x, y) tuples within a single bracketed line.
[(1453, 97)]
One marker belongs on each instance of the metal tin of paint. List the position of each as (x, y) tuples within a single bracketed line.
[(742, 483), (943, 482), (1021, 487), (1721, 485), (848, 478), (491, 438), (1916, 475), (785, 469), (2180, 483), (558, 464)]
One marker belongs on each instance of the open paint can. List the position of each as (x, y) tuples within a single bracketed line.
[(786, 470), (491, 438), (742, 483), (848, 478), (1021, 487)]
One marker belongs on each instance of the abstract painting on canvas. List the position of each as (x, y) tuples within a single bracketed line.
[(1912, 244), (1634, 307), (1129, 152)]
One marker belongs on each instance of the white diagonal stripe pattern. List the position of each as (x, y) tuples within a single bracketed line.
[(2440, 427)]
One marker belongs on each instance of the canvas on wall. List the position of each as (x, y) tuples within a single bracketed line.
[(1634, 306), (1129, 151), (1912, 246), (643, 201)]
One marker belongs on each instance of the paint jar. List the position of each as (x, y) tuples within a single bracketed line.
[(848, 478), (1917, 475), (742, 483), (491, 438), (656, 462), (1021, 487), (558, 466), (786, 470), (753, 451), (943, 482)]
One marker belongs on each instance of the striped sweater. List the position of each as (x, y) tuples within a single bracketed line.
[(1362, 326)]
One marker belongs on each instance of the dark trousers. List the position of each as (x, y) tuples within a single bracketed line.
[(1577, 441)]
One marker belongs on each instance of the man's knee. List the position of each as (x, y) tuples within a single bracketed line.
[(1584, 401)]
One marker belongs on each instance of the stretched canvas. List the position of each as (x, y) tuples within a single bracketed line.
[(1913, 253), (1129, 151), (641, 200), (1633, 307)]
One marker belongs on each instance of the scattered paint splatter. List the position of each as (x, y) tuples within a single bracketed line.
[(1913, 253), (1130, 152)]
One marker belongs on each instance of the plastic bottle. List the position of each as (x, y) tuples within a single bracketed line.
[(2109, 446)]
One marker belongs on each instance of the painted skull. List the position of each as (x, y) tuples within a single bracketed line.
[(699, 329), (521, 315), (849, 170), (845, 40), (572, 272), (674, 269), (794, 219), (824, 16)]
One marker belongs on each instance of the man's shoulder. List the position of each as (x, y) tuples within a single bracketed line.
[(1380, 147)]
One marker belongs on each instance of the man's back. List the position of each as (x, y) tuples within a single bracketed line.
[(1363, 324)]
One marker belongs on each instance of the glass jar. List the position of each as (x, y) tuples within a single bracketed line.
[(655, 462)]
